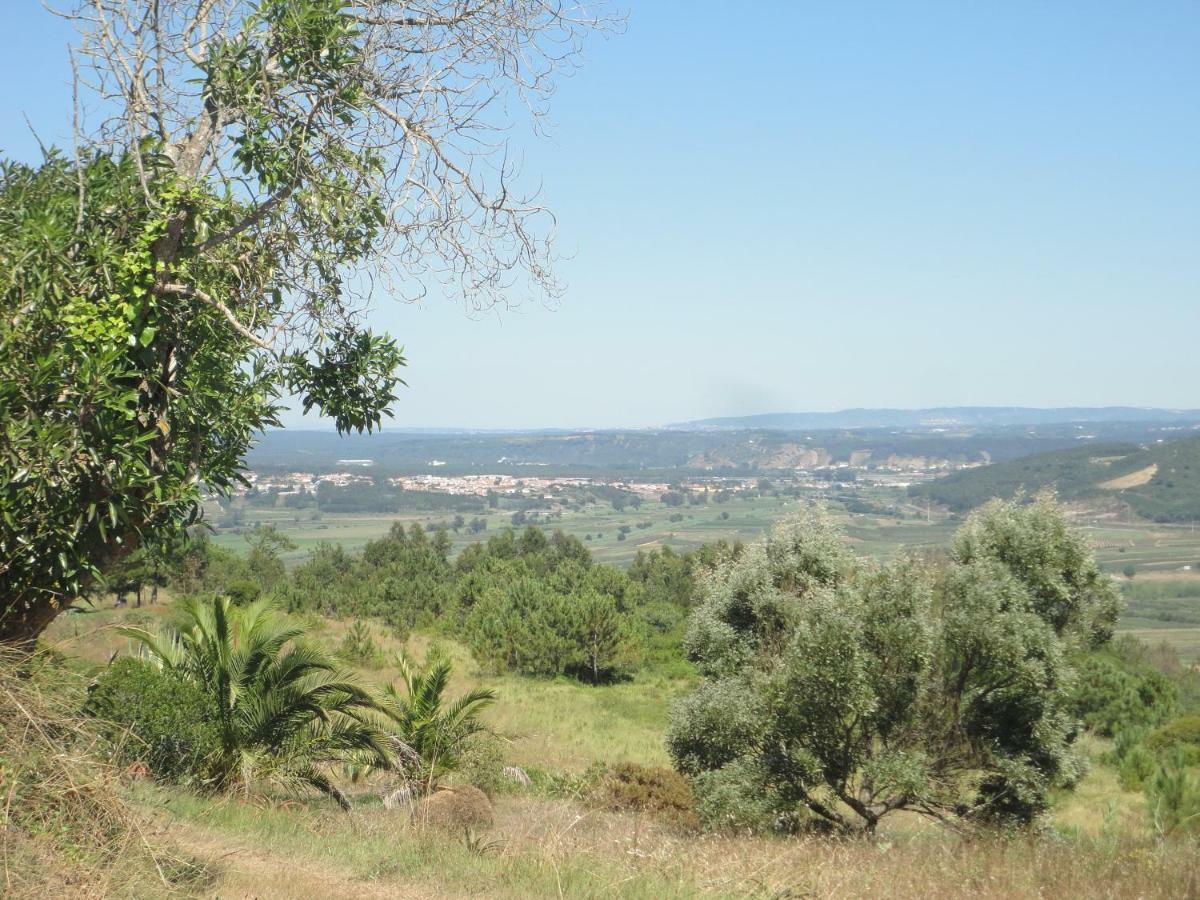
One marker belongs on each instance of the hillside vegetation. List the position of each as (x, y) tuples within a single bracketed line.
[(1160, 482), (367, 684)]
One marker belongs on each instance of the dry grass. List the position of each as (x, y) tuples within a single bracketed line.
[(65, 830), (1133, 479), (559, 849)]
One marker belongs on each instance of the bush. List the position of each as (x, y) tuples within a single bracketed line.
[(243, 591), (1181, 736), (728, 799), (1173, 797), (1111, 695), (662, 793), (156, 718), (837, 689), (481, 765), (1129, 756), (359, 647)]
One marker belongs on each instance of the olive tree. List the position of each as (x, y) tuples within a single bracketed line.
[(838, 691), (246, 173)]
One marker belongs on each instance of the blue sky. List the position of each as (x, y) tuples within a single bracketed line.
[(803, 206)]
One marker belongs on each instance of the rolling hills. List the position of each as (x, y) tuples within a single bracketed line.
[(943, 417), (1159, 481)]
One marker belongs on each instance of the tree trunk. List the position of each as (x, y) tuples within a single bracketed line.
[(20, 628), (22, 620)]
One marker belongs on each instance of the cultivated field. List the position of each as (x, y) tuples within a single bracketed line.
[(1168, 555)]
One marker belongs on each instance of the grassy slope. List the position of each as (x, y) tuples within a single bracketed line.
[(1171, 494), (543, 847)]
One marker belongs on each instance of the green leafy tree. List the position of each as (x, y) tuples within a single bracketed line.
[(264, 560), (259, 167), (840, 692), (1052, 560), (284, 714), (602, 633), (435, 730)]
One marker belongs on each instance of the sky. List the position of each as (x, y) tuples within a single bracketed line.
[(800, 206)]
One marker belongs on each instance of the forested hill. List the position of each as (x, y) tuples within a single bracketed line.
[(1159, 481), (700, 451)]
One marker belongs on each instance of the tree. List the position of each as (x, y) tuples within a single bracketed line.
[(602, 632), (840, 692), (261, 165), (264, 560), (435, 731), (283, 712)]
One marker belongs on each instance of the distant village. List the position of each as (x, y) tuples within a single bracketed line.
[(357, 472)]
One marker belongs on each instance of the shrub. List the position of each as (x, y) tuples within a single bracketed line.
[(1173, 797), (156, 718), (662, 793), (481, 764), (1181, 736), (1129, 756), (729, 799), (1111, 695), (243, 591), (459, 808), (359, 647), (843, 691)]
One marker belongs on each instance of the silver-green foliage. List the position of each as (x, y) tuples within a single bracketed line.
[(842, 691)]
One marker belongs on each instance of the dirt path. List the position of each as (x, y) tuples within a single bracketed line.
[(251, 872)]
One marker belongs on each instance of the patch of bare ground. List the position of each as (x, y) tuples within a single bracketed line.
[(1133, 479)]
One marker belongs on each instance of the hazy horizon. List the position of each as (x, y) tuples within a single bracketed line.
[(313, 425)]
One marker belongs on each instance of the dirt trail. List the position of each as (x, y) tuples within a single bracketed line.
[(250, 872)]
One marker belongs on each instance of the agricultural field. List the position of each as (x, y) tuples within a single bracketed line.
[(653, 525), (1163, 594)]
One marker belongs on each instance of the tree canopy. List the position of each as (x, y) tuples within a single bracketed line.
[(839, 692), (259, 168)]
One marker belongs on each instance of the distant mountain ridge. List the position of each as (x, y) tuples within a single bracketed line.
[(946, 416)]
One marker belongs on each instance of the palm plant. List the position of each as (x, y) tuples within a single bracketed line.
[(285, 714), (434, 731)]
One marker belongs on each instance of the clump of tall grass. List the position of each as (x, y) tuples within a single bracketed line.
[(66, 831)]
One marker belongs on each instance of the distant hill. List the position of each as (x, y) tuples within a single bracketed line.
[(1159, 481), (945, 417), (697, 451)]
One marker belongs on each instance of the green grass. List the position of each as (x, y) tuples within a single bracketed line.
[(274, 848)]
